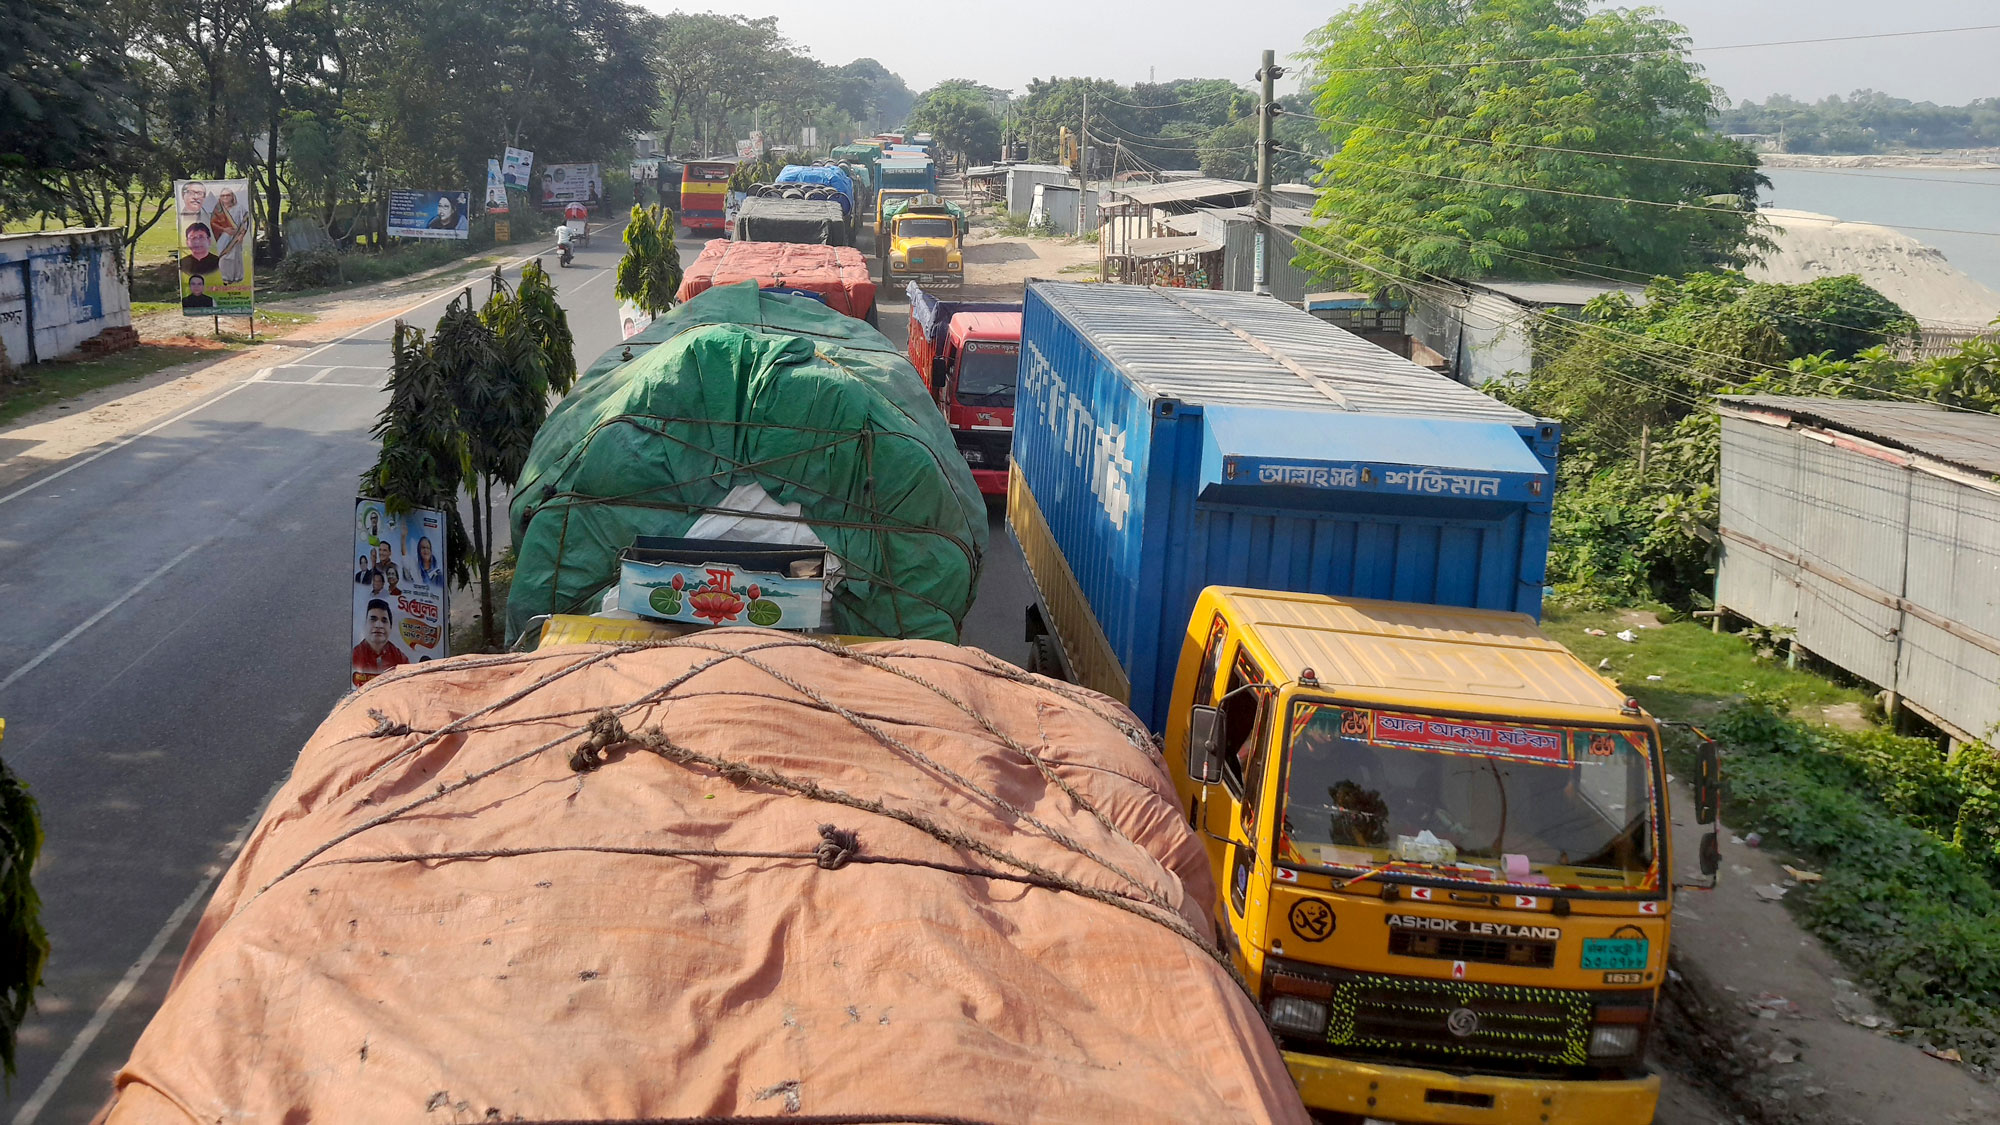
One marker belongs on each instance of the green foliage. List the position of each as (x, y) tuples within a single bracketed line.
[(1627, 375), (1415, 103), (24, 945), (62, 79), (1866, 121), (424, 457), (1912, 910), (958, 115), (650, 272)]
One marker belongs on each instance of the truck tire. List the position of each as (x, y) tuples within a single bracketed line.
[(874, 317)]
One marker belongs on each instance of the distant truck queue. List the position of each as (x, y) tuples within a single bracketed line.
[(1327, 753)]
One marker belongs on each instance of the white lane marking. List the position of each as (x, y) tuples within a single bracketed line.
[(51, 1082), (99, 616), (261, 376), (125, 441), (307, 383)]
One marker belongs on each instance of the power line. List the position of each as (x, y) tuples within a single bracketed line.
[(1611, 198), (1666, 50), (1196, 100)]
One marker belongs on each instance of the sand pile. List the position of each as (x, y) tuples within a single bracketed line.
[(1906, 271)]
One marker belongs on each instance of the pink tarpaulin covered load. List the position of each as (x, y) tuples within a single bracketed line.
[(836, 275), (741, 874)]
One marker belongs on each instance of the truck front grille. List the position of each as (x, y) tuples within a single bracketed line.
[(984, 449), (1461, 1019), (1493, 951)]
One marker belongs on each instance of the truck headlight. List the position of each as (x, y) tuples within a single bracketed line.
[(1296, 1015), (899, 265), (1614, 1041)]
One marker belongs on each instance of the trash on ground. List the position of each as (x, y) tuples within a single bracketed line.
[(1783, 1056), (1770, 1005), (1656, 679), (1948, 1054), (1595, 632), (1771, 892), (1802, 876), (1754, 840), (1627, 635)]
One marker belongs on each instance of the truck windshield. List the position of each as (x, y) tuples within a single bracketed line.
[(706, 173), (926, 228), (986, 374), (1479, 799)]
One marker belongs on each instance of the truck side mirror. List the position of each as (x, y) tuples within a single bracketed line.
[(1204, 744), (1707, 782)]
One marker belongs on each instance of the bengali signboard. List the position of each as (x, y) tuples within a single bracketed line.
[(719, 594), (515, 167), (402, 610), (430, 214), (572, 183), (496, 190), (216, 232)]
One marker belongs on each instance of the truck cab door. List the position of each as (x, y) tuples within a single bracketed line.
[(1229, 814)]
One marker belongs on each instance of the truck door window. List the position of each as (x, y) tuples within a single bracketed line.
[(1242, 706)]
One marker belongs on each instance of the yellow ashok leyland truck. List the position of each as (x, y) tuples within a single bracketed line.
[(1440, 840)]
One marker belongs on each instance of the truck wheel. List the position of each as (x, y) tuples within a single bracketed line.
[(874, 317)]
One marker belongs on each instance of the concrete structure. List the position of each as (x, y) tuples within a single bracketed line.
[(1871, 530), (1022, 178), (1482, 327), (59, 288)]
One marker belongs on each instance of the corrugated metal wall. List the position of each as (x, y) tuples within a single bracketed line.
[(1889, 572)]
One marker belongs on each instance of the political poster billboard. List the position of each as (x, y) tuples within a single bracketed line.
[(216, 231), (571, 183), (402, 611), (429, 214), (496, 191), (632, 319), (514, 168)]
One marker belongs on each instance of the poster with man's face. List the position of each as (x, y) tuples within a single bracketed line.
[(401, 611), (496, 192), (572, 183), (216, 234), (430, 214)]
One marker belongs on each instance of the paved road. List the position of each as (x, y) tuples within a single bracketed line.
[(176, 625)]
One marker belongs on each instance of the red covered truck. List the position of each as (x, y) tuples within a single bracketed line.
[(836, 276), (967, 353)]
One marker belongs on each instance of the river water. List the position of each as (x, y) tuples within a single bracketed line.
[(1951, 199)]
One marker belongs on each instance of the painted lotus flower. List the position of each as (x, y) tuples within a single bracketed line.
[(715, 605)]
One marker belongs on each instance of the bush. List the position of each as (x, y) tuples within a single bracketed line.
[(314, 269), (1912, 909)]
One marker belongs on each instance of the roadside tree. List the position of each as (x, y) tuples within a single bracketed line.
[(650, 272), (24, 946), (959, 115), (1450, 120)]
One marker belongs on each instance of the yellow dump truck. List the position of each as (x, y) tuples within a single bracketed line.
[(1442, 844)]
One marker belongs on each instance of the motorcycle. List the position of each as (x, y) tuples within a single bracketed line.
[(565, 248)]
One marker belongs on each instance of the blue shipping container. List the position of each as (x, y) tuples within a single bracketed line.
[(1166, 440)]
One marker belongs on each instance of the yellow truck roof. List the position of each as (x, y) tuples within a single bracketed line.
[(1424, 656)]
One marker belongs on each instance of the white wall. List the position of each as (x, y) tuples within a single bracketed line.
[(77, 283), (1483, 336)]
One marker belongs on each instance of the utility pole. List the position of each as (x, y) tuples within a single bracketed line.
[(1267, 110), (1083, 148)]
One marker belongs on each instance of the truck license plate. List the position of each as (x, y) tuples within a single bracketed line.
[(1614, 954)]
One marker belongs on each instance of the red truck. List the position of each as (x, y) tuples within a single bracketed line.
[(967, 353), (835, 276)]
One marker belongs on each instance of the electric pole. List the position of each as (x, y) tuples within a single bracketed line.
[(1267, 111), (1083, 148)]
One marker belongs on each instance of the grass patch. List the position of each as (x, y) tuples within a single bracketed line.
[(47, 383), (1079, 267), (1700, 672), (1905, 841)]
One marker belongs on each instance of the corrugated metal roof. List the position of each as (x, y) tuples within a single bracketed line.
[(1540, 293), (1055, 168), (1194, 356), (1965, 440), (1175, 244), (1186, 191)]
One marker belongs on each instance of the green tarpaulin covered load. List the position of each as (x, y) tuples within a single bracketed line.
[(747, 414)]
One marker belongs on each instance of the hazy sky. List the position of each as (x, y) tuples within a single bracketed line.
[(1005, 42)]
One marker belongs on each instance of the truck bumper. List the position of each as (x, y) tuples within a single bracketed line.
[(1410, 1094), (991, 482), (937, 281)]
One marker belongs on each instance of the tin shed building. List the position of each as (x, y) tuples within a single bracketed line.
[(1872, 530)]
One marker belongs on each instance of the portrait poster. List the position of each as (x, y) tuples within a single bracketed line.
[(429, 214), (571, 183), (496, 191), (215, 236), (402, 609), (515, 167)]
